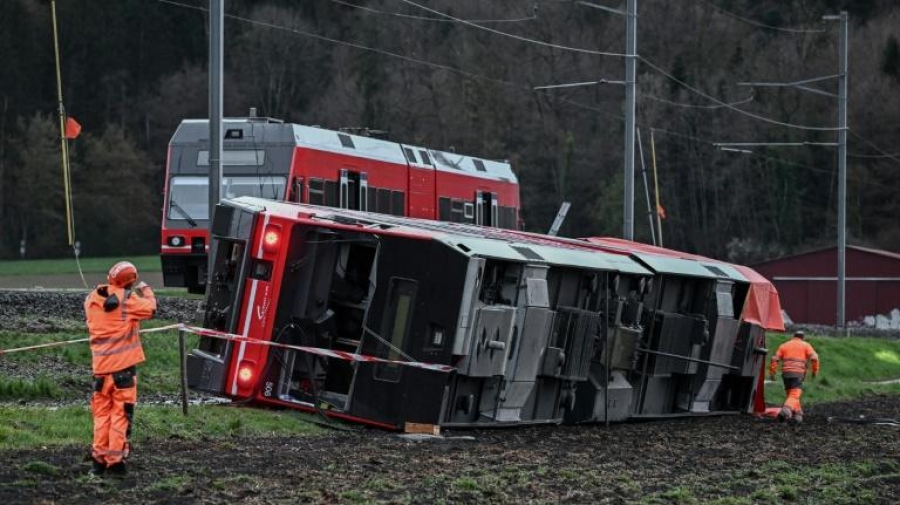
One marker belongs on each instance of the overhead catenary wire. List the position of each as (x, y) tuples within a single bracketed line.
[(871, 144), (694, 106), (431, 18), (502, 82), (514, 36), (760, 24), (731, 107)]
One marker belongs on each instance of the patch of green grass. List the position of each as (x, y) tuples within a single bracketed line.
[(172, 483), (161, 373), (466, 484), (20, 389), (69, 266), (354, 496), (41, 467), (24, 427), (849, 367)]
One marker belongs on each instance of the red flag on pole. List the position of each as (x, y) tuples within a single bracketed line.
[(73, 129)]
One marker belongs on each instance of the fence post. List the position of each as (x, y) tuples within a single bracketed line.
[(184, 392)]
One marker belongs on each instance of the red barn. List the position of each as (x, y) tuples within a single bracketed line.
[(807, 284)]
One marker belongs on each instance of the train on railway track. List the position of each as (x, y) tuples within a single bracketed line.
[(351, 169), (389, 320)]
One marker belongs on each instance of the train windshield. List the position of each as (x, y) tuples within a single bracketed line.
[(189, 195)]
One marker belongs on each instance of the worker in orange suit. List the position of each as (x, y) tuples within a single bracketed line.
[(793, 356), (114, 312)]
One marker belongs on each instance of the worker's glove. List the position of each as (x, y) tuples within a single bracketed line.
[(139, 288)]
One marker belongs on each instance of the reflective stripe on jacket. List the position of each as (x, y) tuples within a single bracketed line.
[(113, 320), (793, 356)]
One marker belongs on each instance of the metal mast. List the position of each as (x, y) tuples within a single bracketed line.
[(216, 35), (630, 78), (842, 171)]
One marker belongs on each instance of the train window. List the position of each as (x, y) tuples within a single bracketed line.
[(346, 140), (479, 165), (410, 155), (444, 209), (317, 191), (398, 207), (425, 158), (331, 194), (457, 210), (395, 326), (244, 157), (371, 199), (189, 195), (469, 211), (384, 201)]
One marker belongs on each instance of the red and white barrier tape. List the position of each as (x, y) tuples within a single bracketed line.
[(319, 351), (329, 353)]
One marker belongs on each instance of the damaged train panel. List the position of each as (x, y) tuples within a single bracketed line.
[(535, 329)]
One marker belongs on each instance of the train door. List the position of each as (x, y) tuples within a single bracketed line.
[(353, 187), (296, 192), (486, 209)]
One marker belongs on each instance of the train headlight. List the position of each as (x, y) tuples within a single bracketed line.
[(271, 238), (176, 241)]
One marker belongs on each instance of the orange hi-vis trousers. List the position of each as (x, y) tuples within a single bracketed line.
[(793, 386), (112, 404)]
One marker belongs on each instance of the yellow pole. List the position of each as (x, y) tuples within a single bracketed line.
[(64, 145), (656, 187)]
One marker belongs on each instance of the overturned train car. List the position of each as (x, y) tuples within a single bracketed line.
[(531, 329)]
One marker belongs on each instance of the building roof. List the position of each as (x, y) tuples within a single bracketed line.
[(867, 250)]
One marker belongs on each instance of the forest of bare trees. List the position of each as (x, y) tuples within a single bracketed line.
[(132, 69)]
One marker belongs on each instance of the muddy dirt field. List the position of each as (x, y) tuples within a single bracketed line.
[(726, 460), (723, 458)]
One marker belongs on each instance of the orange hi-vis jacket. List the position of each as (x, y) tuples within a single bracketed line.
[(113, 320), (794, 354)]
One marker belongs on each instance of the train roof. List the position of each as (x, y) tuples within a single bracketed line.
[(273, 131), (467, 239)]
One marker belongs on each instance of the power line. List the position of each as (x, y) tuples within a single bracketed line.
[(729, 106), (873, 146), (692, 106), (775, 159), (759, 24), (429, 18), (352, 44), (513, 36), (508, 83)]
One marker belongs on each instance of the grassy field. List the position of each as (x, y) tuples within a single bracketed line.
[(62, 375), (69, 266), (850, 367)]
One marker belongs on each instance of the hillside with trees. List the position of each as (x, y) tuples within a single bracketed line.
[(462, 74)]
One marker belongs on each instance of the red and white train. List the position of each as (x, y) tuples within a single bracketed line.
[(389, 320), (268, 158)]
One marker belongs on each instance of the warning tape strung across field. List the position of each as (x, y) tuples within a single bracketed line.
[(329, 353), (78, 340), (204, 332)]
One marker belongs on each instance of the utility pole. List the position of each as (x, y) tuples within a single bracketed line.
[(216, 35), (841, 144), (630, 82), (842, 170)]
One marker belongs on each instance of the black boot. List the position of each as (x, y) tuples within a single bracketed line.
[(97, 467), (118, 470)]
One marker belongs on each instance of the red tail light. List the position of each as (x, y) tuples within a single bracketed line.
[(245, 374), (271, 238)]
